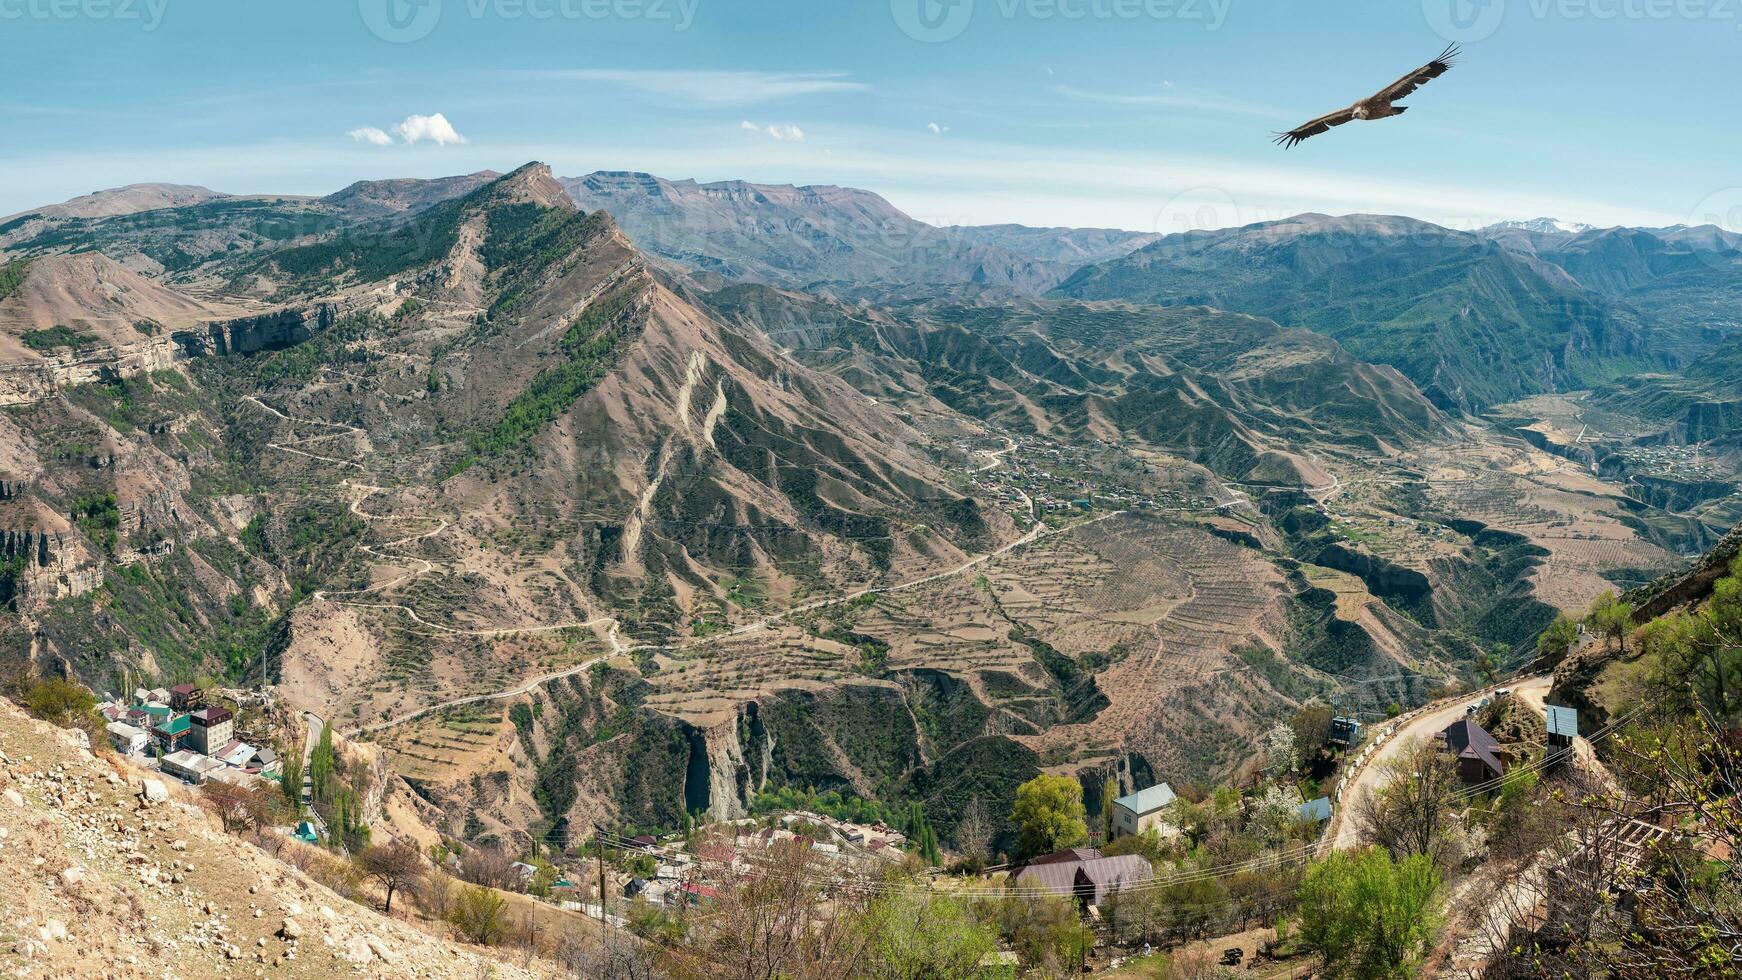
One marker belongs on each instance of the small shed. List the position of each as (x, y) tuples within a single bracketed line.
[(1316, 811), (1563, 726)]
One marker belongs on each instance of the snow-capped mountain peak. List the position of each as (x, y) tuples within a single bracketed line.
[(1542, 226)]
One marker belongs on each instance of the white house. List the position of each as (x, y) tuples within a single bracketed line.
[(189, 766), (1143, 810), (127, 739)]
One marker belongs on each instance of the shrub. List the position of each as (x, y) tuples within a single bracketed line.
[(65, 704), (481, 915), (43, 341)]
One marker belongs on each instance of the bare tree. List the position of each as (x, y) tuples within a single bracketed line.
[(489, 866), (1632, 888), (238, 807), (611, 956), (397, 866), (436, 894), (1412, 810), (788, 915), (975, 832)]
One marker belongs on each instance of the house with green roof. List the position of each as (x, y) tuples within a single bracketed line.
[(170, 734)]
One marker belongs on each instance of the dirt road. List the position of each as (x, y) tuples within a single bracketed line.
[(1412, 728)]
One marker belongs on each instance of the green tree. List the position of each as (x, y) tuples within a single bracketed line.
[(322, 762), (290, 780), (1049, 815), (1557, 641), (1489, 665), (1697, 657), (650, 922), (1109, 793), (919, 937), (1368, 916), (1612, 617)]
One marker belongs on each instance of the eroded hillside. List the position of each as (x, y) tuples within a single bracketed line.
[(469, 475)]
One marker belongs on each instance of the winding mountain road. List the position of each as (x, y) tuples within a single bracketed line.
[(1424, 724)]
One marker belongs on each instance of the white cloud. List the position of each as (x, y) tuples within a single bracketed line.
[(708, 87), (369, 134), (1196, 103), (785, 134), (937, 130), (436, 129)]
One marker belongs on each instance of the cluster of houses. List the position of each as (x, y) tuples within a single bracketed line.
[(678, 876), (1089, 876), (189, 739)]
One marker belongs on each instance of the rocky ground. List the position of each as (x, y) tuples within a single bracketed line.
[(112, 872)]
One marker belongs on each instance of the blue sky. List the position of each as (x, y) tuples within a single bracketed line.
[(1143, 114)]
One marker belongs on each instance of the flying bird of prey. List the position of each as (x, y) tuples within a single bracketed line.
[(1380, 105)]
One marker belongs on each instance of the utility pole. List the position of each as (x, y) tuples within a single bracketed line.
[(599, 838)]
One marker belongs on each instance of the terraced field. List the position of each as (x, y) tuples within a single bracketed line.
[(1555, 504)]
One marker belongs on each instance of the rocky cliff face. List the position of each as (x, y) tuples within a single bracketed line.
[(28, 382), (56, 566), (267, 331)]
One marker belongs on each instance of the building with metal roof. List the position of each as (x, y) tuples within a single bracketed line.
[(1083, 873), (1142, 810), (1317, 811), (1480, 757)]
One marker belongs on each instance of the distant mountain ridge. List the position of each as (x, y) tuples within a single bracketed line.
[(130, 199), (1469, 317), (835, 239)]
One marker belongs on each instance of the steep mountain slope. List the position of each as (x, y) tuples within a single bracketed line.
[(576, 539), (98, 300), (1470, 322), (103, 880), (835, 239), (1238, 394)]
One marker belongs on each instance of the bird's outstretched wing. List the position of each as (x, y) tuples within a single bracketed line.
[(1421, 76), (1294, 136)]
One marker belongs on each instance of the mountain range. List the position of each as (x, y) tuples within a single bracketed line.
[(727, 487)]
